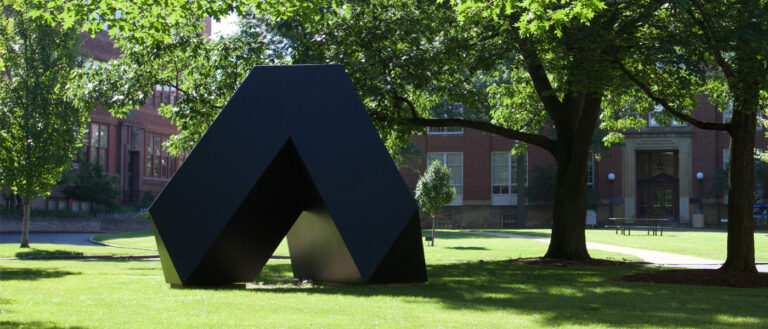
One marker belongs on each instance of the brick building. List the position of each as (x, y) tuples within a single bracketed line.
[(128, 148), (655, 174)]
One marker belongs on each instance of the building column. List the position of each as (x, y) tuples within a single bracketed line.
[(629, 179), (684, 172)]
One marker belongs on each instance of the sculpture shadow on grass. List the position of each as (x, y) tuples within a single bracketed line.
[(565, 296)]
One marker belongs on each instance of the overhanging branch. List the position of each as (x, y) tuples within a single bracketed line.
[(538, 140), (708, 125)]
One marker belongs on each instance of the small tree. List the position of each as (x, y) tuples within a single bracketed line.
[(40, 122), (434, 190), (90, 183)]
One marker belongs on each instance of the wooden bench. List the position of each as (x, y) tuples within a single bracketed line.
[(655, 225)]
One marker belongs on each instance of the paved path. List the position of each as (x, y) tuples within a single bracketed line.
[(655, 258), (79, 239)]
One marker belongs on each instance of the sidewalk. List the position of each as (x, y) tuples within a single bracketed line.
[(655, 258)]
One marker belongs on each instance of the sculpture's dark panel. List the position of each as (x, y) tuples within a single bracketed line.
[(293, 153)]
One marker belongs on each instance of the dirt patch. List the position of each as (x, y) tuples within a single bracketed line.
[(701, 278), (568, 262)]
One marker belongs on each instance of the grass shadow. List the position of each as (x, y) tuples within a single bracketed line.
[(46, 253), (467, 248), (31, 274), (564, 296), (34, 324), (458, 235)]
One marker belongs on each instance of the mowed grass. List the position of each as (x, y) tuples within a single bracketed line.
[(462, 292), (704, 244), (450, 246)]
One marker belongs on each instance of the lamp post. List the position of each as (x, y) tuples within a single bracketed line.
[(700, 177), (611, 177)]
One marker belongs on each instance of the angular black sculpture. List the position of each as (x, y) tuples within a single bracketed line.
[(293, 153)]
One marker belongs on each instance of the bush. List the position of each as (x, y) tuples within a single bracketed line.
[(90, 183), (146, 200)]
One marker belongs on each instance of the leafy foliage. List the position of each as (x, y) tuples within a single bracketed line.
[(434, 188), (41, 121)]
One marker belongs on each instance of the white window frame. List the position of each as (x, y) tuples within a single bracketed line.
[(673, 123), (444, 131), (506, 199), (458, 199)]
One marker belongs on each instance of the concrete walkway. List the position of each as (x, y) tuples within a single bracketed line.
[(654, 258)]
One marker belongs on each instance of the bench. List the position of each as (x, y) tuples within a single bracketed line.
[(655, 225)]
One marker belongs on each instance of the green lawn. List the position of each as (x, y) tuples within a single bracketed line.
[(705, 244), (462, 292), (450, 246)]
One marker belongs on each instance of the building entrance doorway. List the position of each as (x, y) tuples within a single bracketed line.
[(658, 184)]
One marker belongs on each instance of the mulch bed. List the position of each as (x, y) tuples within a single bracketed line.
[(701, 278), (566, 262)]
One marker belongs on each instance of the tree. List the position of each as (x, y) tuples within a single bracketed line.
[(89, 182), (41, 123), (717, 48), (434, 190), (539, 71)]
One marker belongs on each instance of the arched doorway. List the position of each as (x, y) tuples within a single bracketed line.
[(658, 184)]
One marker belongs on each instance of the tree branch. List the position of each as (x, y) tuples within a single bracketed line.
[(538, 75), (707, 25), (534, 139), (538, 140), (708, 125)]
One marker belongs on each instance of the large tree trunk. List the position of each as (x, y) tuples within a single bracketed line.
[(25, 225), (741, 238), (569, 212), (574, 139)]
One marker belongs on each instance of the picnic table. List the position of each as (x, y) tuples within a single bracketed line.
[(625, 224)]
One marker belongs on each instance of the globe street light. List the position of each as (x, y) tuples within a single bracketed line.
[(700, 177), (611, 177)]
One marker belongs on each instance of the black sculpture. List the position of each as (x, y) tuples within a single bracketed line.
[(293, 153)]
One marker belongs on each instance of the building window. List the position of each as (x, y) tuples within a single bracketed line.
[(504, 173), (455, 162), (504, 178), (658, 109), (445, 130), (165, 95), (97, 141), (508, 220), (67, 204), (158, 162)]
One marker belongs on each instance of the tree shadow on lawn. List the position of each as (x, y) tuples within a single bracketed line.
[(31, 274), (32, 252), (458, 235), (33, 324), (467, 248), (560, 296)]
